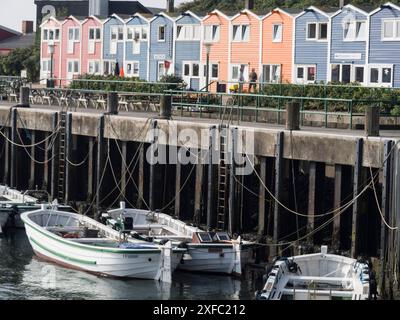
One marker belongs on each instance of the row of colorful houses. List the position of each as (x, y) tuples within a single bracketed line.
[(351, 44)]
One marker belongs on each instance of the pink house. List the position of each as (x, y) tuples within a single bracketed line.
[(70, 64), (92, 35), (50, 49)]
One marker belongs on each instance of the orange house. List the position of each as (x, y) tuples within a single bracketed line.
[(245, 52), (278, 45), (216, 27)]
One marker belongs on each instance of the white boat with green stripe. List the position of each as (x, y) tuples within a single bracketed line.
[(79, 242)]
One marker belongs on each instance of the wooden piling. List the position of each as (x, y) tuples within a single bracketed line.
[(261, 201), (6, 178), (337, 202), (33, 162), (198, 185), (101, 150), (152, 166), (141, 177), (293, 116), (372, 114), (90, 169), (112, 102), (124, 170), (45, 184), (54, 156), (14, 158), (68, 157), (311, 199), (232, 183), (24, 97), (210, 176), (356, 192), (178, 173)]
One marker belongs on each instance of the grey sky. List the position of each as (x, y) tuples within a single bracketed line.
[(12, 12)]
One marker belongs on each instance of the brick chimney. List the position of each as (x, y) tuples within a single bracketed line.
[(249, 4), (170, 6), (27, 27)]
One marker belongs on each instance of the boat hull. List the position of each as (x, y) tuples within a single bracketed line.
[(140, 264)]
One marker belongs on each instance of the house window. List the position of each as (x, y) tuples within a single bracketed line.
[(73, 67), (359, 74), (188, 32), (347, 73), (73, 34), (211, 33), (53, 34), (161, 33), (160, 70), (46, 65), (45, 34), (272, 73), (240, 72), (277, 33), (335, 73), (241, 33), (381, 75), (391, 30), (132, 69), (306, 73), (114, 34), (191, 69), (144, 33), (94, 34), (117, 33), (214, 71), (94, 67), (355, 31), (317, 31), (108, 67)]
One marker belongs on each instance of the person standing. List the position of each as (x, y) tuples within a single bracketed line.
[(253, 79)]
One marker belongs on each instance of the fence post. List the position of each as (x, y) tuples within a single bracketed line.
[(165, 106), (372, 114), (293, 116), (24, 97), (112, 102)]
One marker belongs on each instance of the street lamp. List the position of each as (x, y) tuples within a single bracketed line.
[(208, 49), (50, 83)]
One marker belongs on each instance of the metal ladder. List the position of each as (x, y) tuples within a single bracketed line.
[(223, 178), (61, 156)]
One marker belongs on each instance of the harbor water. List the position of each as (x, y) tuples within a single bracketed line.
[(24, 276)]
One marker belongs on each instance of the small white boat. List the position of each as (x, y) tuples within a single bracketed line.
[(319, 276), (213, 252), (79, 242)]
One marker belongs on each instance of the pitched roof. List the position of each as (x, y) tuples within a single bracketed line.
[(19, 42)]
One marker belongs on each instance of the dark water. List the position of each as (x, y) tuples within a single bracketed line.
[(23, 276)]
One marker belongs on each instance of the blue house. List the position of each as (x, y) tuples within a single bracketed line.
[(187, 49), (113, 43), (384, 46), (312, 29), (348, 46), (137, 46), (161, 53)]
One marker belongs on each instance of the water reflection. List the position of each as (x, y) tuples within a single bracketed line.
[(24, 276)]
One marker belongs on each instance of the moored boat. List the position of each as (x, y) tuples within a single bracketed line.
[(79, 242), (213, 252), (319, 276)]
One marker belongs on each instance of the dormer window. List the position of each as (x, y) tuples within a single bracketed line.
[(211, 33), (241, 33), (317, 31), (355, 31)]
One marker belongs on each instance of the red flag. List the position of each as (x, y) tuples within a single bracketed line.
[(167, 64)]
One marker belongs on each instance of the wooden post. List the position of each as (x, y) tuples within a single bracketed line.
[(311, 199), (210, 189), (46, 163), (372, 114), (24, 97), (124, 170), (152, 167), (54, 162), (278, 182), (112, 102), (100, 164), (261, 201), (356, 191), (165, 107), (33, 163), (293, 116), (337, 201), (198, 186), (6, 178), (141, 177), (386, 190), (178, 189), (68, 157), (90, 170), (14, 150), (232, 183)]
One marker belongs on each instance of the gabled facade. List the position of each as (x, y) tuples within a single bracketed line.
[(384, 46), (245, 45), (70, 49), (312, 30), (278, 46), (187, 49), (161, 54), (216, 31), (137, 47), (51, 35), (113, 44), (92, 42), (348, 46)]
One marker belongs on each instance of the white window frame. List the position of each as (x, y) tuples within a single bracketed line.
[(73, 61), (305, 73), (133, 74), (212, 63), (353, 68), (94, 62), (355, 37), (159, 33), (158, 69), (380, 68), (245, 74), (111, 66), (95, 39), (240, 32), (74, 32), (317, 32), (191, 64), (396, 37), (213, 38), (272, 65), (278, 40), (54, 30), (182, 36), (46, 62)]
